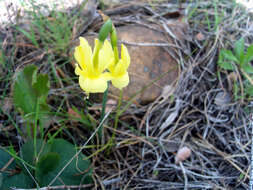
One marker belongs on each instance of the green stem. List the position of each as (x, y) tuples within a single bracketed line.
[(35, 129), (117, 114), (105, 95)]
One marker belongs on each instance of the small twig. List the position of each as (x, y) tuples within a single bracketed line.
[(146, 44), (185, 176), (225, 156), (58, 187)]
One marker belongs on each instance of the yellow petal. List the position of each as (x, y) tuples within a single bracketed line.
[(111, 66), (106, 76), (97, 48), (120, 68), (125, 56), (121, 82), (93, 85), (83, 55), (106, 56), (96, 45), (78, 71), (78, 55)]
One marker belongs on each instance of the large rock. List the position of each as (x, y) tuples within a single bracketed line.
[(147, 62)]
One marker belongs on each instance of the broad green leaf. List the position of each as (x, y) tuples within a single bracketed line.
[(239, 49), (226, 66), (228, 55), (1, 179), (20, 180), (9, 178), (30, 91), (48, 162), (27, 151), (41, 86), (5, 158), (247, 68), (249, 54), (78, 172), (23, 95)]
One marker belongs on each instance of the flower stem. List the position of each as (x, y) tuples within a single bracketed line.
[(117, 113), (105, 95)]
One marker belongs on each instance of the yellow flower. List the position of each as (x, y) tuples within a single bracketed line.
[(91, 67), (120, 78)]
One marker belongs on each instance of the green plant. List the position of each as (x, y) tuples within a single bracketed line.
[(30, 92), (33, 170), (239, 62)]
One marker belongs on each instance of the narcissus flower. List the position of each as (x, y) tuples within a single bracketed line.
[(118, 70), (91, 67)]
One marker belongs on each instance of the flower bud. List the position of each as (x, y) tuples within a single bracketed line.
[(114, 37), (105, 30)]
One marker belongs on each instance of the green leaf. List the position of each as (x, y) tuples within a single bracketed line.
[(48, 162), (228, 55), (1, 179), (226, 66), (78, 172), (5, 158), (235, 91), (28, 151), (23, 95), (247, 68), (249, 54), (41, 85), (249, 90), (9, 178), (20, 180), (223, 63), (239, 49), (31, 90)]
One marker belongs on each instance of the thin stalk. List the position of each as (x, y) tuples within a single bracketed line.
[(35, 129), (105, 95), (110, 143), (117, 113)]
